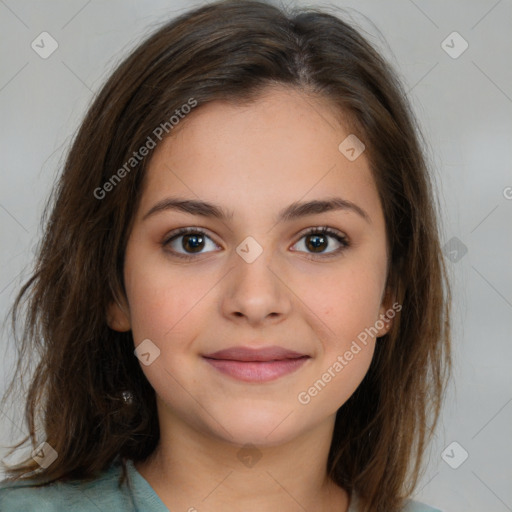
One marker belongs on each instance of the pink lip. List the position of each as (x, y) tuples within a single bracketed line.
[(256, 365)]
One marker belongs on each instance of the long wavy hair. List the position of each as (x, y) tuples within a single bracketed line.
[(230, 51)]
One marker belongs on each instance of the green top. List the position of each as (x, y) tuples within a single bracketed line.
[(104, 495)]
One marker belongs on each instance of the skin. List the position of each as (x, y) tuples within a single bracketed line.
[(253, 160)]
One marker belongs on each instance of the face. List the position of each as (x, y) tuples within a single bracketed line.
[(253, 321)]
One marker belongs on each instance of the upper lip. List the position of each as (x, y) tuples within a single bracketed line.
[(255, 354)]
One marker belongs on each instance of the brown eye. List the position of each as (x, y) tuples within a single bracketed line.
[(323, 242), (188, 241), (316, 243), (193, 242)]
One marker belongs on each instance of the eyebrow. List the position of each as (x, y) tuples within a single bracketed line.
[(293, 211)]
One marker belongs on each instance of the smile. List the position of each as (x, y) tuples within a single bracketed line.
[(256, 365)]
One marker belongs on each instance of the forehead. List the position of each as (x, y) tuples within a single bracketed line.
[(281, 148)]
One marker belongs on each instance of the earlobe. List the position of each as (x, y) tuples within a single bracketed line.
[(386, 314), (118, 317), (383, 325)]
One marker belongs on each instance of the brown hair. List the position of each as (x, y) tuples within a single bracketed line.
[(231, 51)]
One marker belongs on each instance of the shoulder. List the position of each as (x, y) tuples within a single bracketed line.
[(102, 493), (416, 506)]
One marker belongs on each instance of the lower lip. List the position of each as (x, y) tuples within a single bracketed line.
[(257, 371)]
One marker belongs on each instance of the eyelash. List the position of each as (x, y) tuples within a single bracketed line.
[(323, 230)]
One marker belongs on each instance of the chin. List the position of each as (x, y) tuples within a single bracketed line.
[(263, 425)]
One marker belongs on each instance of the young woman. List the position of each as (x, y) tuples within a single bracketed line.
[(240, 300)]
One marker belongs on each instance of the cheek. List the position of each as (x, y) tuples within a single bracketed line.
[(163, 304), (343, 303), (169, 316), (338, 381)]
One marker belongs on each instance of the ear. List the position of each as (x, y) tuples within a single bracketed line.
[(118, 316), (387, 312)]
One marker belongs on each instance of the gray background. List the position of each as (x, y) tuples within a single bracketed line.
[(464, 105)]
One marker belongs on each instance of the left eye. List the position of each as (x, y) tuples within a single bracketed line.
[(193, 241), (316, 240)]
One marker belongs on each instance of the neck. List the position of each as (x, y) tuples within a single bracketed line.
[(190, 470)]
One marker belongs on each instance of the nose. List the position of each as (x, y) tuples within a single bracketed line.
[(256, 292)]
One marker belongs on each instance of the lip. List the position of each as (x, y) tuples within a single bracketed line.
[(256, 365)]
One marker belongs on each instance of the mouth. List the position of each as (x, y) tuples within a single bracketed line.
[(256, 365)]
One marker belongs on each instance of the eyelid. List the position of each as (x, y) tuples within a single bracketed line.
[(340, 237), (186, 230), (179, 232), (323, 229)]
